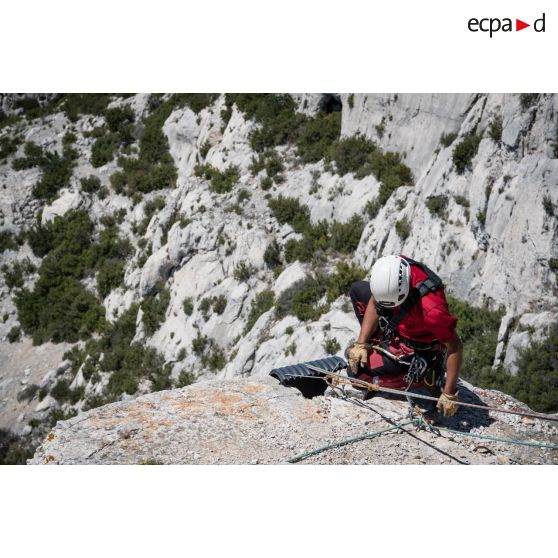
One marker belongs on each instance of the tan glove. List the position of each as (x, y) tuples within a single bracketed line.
[(447, 405), (357, 354)]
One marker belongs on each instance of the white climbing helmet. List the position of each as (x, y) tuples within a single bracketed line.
[(390, 280)]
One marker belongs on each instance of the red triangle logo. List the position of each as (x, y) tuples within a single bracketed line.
[(519, 25)]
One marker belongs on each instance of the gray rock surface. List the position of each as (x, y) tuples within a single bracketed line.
[(257, 421)]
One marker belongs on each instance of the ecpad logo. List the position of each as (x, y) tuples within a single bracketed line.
[(494, 24)]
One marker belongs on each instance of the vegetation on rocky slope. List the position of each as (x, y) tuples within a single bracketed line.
[(83, 261)]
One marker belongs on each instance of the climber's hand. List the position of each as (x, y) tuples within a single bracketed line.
[(357, 353), (446, 403)]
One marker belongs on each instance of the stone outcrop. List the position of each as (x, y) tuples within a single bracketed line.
[(257, 421)]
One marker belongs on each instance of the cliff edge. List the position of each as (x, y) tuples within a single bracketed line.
[(259, 421)]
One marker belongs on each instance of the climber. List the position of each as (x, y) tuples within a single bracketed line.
[(403, 312)]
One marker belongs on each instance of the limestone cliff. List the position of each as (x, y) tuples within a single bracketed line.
[(488, 228)]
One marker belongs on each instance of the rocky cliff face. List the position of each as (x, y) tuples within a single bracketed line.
[(488, 228)]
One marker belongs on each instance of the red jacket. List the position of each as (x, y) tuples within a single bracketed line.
[(429, 319)]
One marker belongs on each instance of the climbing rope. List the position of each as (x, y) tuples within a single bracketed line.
[(421, 424), (335, 378), (316, 451)]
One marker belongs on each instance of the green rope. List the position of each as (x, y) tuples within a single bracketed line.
[(420, 422), (308, 454)]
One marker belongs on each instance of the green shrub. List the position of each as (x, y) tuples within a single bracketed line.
[(331, 345), (118, 181), (219, 304), (120, 121), (243, 271), (110, 276), (279, 124), (28, 393), (345, 237), (69, 139), (243, 196), (215, 360), (276, 115), (266, 183), (188, 306), (27, 104), (478, 329), (102, 151), (61, 391), (204, 149), (59, 308), (527, 100), (317, 238), (437, 205), (272, 255), (372, 208), (14, 449), (351, 154), (34, 157), (553, 264), (154, 168), (8, 146), (291, 349), (76, 104), (291, 211), (15, 275), (7, 241), (199, 344), (403, 228), (262, 302), (301, 299), (185, 379), (461, 200), (205, 307), (317, 135), (548, 206), (14, 334), (345, 275), (154, 310), (125, 361), (269, 160), (495, 129), (56, 170), (536, 382), (362, 157), (447, 139), (56, 174), (465, 151), (221, 181), (140, 363), (90, 185), (351, 100)]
